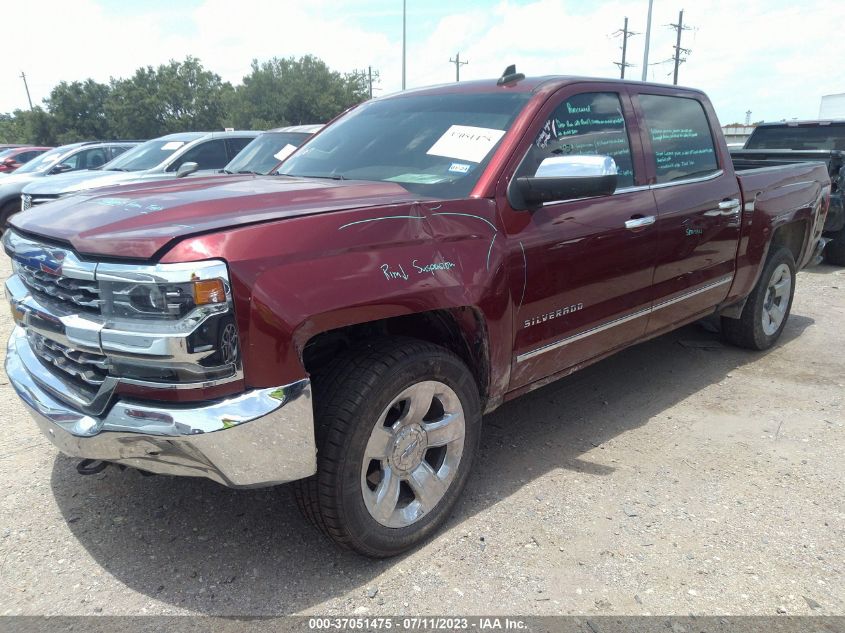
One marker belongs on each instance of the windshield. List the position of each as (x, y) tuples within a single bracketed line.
[(265, 152), (809, 137), (43, 162), (437, 145), (145, 156), (5, 152)]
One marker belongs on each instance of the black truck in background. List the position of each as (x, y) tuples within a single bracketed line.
[(800, 141)]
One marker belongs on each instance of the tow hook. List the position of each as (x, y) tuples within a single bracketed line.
[(91, 466)]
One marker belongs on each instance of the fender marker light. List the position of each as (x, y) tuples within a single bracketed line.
[(209, 291)]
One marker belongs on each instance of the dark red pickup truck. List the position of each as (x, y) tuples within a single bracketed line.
[(423, 259)]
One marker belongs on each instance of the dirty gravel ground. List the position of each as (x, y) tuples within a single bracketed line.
[(677, 477)]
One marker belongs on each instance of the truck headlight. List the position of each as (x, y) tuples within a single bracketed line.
[(169, 323)]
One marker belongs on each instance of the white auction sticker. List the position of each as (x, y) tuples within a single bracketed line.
[(286, 151), (465, 142), (171, 145)]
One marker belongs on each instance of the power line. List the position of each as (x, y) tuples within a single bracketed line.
[(458, 63), (625, 35), (680, 28), (25, 85)]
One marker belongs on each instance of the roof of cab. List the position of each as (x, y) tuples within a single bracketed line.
[(544, 84)]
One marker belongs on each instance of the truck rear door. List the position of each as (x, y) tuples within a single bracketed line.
[(698, 204)]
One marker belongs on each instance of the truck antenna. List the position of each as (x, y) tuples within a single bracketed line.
[(509, 76)]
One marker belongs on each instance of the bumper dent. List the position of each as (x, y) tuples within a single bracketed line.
[(259, 438)]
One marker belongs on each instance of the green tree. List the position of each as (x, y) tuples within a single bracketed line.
[(176, 97), (294, 91), (78, 110), (28, 126)]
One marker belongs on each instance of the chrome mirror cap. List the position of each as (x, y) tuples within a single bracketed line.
[(576, 166)]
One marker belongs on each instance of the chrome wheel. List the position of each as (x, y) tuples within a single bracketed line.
[(777, 299), (413, 454)]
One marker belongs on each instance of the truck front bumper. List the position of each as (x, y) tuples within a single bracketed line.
[(259, 438)]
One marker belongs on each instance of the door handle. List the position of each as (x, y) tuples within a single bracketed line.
[(638, 223), (729, 207)]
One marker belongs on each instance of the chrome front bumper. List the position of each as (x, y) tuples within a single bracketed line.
[(259, 438)]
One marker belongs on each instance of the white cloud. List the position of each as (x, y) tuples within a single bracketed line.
[(773, 59)]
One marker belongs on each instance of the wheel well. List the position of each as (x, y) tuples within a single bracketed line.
[(460, 330), (792, 237)]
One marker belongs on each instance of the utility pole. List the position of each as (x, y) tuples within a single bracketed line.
[(748, 117), (28, 98), (647, 40), (625, 35), (371, 76), (404, 2), (680, 28), (458, 63)]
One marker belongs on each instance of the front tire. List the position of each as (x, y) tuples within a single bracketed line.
[(767, 310), (398, 424)]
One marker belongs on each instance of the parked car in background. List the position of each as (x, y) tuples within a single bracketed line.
[(424, 259), (13, 158), (171, 156), (269, 149), (773, 144), (72, 157), (10, 145)]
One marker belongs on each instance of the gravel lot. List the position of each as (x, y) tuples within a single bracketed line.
[(678, 477)]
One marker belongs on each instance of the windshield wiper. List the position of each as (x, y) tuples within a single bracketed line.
[(226, 171), (324, 177), (117, 169), (248, 171)]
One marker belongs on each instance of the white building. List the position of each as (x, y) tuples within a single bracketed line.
[(736, 133), (832, 107)]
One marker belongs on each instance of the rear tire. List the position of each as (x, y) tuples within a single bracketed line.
[(767, 310), (834, 252), (397, 423)]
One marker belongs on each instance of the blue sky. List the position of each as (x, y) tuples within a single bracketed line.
[(770, 57)]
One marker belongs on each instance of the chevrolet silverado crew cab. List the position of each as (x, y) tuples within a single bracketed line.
[(423, 259)]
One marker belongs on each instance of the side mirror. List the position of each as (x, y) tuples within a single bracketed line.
[(561, 178), (61, 168), (9, 161), (186, 169)]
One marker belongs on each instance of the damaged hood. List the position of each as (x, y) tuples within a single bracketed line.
[(137, 221)]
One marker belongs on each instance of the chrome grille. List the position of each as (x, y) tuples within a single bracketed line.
[(86, 369), (41, 198), (80, 293)]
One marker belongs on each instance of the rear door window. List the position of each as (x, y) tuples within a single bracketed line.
[(92, 158), (208, 155), (680, 137), (117, 150), (236, 145)]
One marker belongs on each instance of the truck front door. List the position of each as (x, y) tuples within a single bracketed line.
[(582, 269), (698, 205)]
